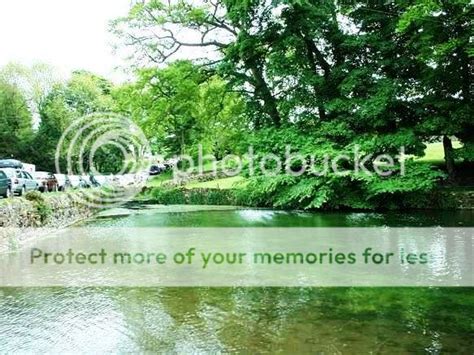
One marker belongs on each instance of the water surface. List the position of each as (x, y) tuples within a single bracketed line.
[(288, 320)]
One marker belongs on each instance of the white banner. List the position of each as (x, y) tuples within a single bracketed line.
[(151, 257)]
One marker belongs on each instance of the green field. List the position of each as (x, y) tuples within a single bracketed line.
[(223, 184), (159, 179), (434, 152)]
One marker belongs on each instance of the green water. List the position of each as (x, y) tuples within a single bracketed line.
[(249, 320)]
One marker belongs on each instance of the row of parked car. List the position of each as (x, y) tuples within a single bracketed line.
[(15, 180)]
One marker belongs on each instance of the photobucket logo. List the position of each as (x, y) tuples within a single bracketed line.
[(290, 163), (103, 135)]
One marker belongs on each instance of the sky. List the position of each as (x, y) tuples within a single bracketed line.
[(67, 34)]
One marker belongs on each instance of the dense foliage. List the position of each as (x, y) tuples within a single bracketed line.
[(15, 122), (325, 77), (181, 106), (321, 78)]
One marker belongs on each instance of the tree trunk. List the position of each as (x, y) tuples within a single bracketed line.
[(263, 91), (449, 157), (315, 57), (312, 64), (315, 53)]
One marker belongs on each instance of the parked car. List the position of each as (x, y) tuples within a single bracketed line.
[(64, 182), (157, 169), (114, 180), (92, 180), (20, 181), (85, 182), (171, 163), (75, 181), (47, 181), (5, 189), (102, 180), (78, 182)]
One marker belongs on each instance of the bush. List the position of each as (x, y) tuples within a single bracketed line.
[(351, 191), (34, 196), (43, 208), (181, 196)]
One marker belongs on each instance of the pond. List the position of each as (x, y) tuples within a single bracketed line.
[(190, 320)]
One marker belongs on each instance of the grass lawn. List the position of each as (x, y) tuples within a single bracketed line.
[(159, 179), (208, 167), (168, 175), (223, 184), (434, 152)]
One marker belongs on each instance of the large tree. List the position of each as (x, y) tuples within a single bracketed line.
[(180, 107), (440, 33), (328, 76), (83, 94), (15, 123), (228, 34), (35, 82)]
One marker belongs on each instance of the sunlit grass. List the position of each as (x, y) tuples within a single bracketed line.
[(223, 184), (434, 152), (158, 180)]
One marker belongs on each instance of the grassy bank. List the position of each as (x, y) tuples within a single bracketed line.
[(447, 199), (234, 182), (185, 196), (208, 188)]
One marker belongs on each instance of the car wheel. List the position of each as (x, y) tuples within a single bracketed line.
[(8, 193), (22, 191)]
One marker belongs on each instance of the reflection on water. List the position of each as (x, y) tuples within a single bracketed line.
[(222, 320), (289, 320), (205, 216)]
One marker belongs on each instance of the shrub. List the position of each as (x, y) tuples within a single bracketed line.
[(180, 196), (43, 208)]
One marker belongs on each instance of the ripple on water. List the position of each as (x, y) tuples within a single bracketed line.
[(289, 320)]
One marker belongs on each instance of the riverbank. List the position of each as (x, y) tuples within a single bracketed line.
[(55, 210), (61, 210), (442, 199), (44, 210)]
